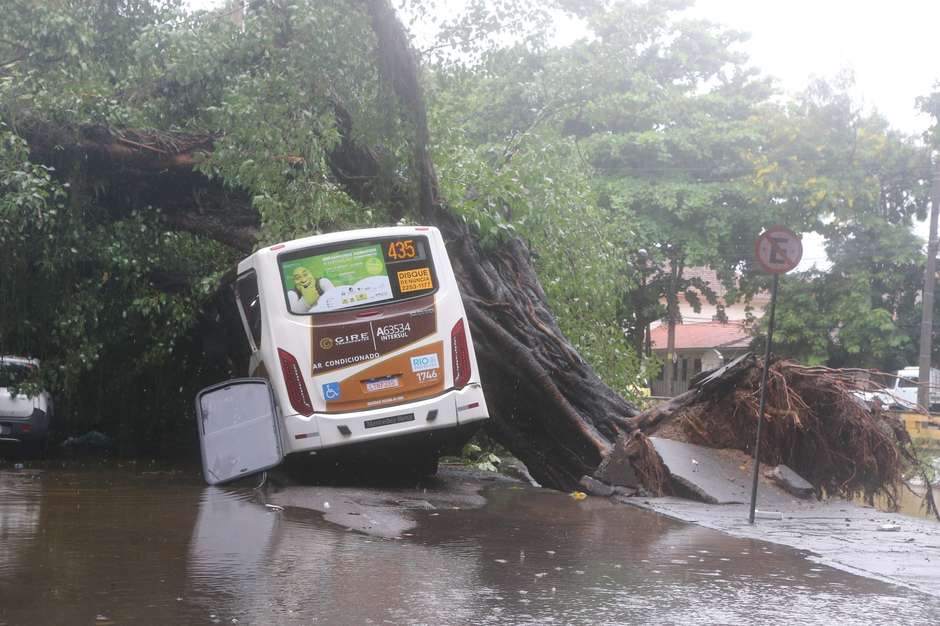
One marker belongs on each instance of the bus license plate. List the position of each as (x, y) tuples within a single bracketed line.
[(385, 421), (382, 383)]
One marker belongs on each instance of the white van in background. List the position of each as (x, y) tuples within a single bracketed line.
[(906, 384), (901, 392), (24, 417)]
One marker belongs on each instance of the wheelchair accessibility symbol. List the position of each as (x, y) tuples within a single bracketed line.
[(331, 391)]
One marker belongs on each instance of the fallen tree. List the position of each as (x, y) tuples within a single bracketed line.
[(814, 423), (547, 403)]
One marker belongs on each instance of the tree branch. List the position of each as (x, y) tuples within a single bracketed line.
[(242, 238)]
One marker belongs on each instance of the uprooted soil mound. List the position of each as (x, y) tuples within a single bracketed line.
[(814, 422)]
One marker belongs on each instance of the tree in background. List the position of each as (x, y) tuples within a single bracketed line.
[(639, 137), (683, 154), (863, 184)]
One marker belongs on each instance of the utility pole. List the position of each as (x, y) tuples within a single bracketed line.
[(927, 301)]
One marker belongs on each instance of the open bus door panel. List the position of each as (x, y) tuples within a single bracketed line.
[(239, 431)]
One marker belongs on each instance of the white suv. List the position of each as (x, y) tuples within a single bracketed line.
[(24, 418)]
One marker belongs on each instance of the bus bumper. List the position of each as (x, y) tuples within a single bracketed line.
[(449, 410)]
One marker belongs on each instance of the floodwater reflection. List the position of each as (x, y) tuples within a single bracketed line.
[(93, 547)]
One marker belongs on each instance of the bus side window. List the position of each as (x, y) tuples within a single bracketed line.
[(249, 302)]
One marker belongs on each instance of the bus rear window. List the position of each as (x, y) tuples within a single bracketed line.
[(356, 273)]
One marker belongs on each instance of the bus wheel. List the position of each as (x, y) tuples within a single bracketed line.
[(426, 466)]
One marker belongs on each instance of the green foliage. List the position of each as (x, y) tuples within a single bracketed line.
[(646, 145), (466, 37), (634, 139), (863, 184), (277, 116), (533, 182), (829, 319), (669, 151), (81, 296), (121, 307)]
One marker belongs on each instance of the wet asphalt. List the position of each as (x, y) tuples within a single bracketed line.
[(121, 545)]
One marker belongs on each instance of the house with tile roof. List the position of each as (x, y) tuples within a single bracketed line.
[(705, 339)]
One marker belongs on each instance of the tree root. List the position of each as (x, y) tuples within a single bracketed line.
[(814, 423)]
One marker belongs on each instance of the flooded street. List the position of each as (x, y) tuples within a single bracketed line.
[(118, 547)]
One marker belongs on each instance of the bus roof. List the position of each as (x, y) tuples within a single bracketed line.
[(319, 240)]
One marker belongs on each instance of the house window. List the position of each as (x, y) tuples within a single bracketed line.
[(696, 366), (685, 369)]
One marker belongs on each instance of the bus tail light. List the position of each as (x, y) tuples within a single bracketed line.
[(460, 354), (294, 379)]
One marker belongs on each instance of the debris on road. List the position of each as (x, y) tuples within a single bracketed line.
[(91, 439), (617, 469), (790, 481), (703, 474), (596, 487), (776, 515)]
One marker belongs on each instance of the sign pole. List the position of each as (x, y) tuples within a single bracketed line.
[(763, 394), (778, 250)]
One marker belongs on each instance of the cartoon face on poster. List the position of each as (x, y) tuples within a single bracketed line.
[(336, 280)]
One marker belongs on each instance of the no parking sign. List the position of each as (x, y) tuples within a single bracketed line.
[(778, 250)]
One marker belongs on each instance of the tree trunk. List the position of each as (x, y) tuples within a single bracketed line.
[(547, 405), (672, 318)]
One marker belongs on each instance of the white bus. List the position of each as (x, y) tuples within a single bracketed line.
[(362, 336)]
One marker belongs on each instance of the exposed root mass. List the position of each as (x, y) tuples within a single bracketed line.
[(814, 423)]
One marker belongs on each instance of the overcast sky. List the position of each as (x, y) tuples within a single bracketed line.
[(892, 46)]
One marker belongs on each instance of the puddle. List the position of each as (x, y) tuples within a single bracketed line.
[(79, 546)]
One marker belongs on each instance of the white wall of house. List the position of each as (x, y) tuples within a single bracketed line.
[(688, 364)]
